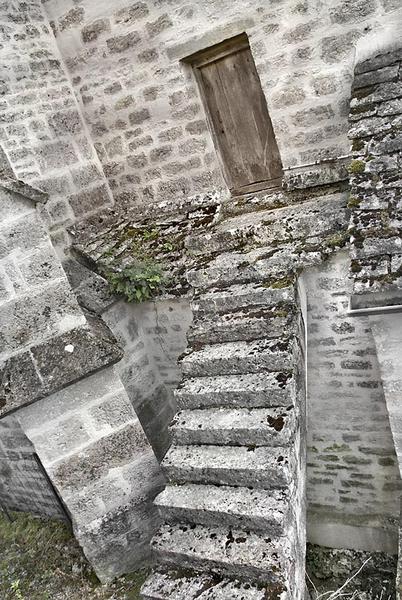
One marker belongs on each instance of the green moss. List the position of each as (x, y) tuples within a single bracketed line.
[(337, 240), (357, 145), (354, 202), (357, 166), (279, 283), (355, 267)]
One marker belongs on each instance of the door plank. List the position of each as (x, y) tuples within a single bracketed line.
[(239, 118)]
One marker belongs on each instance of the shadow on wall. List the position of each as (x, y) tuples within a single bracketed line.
[(153, 335)]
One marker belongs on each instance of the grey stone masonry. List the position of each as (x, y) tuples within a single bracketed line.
[(74, 413), (47, 342), (42, 130), (23, 484), (235, 503), (144, 109), (94, 449), (375, 183)]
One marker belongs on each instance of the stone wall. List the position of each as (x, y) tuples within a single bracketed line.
[(57, 379), (23, 485), (46, 340), (353, 481), (96, 453), (147, 119), (153, 335), (41, 127), (375, 133)]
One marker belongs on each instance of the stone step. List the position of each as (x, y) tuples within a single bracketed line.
[(261, 467), (239, 357), (271, 227), (177, 585), (244, 391), (240, 296), (228, 553), (235, 426), (263, 264), (245, 325), (242, 508)]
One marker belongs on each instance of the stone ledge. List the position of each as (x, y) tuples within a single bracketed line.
[(56, 363), (379, 301), (24, 189), (324, 173)]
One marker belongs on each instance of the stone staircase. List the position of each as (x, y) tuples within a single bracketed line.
[(234, 504)]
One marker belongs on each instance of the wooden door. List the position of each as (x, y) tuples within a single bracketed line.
[(238, 116)]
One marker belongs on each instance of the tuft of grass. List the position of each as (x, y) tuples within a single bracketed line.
[(41, 560)]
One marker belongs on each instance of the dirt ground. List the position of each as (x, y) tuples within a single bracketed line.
[(40, 560)]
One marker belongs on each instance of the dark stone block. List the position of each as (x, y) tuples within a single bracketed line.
[(93, 348), (121, 43), (92, 31), (139, 116), (159, 25), (89, 200), (338, 46), (66, 122), (19, 382), (131, 14), (353, 11), (379, 61), (59, 362), (377, 76), (116, 449)]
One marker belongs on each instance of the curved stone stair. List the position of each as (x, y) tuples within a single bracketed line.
[(234, 501)]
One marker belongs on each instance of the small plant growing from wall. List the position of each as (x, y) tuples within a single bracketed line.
[(137, 283)]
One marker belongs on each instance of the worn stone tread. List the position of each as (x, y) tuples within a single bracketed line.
[(269, 511), (239, 357), (244, 390), (235, 426), (240, 296), (262, 467), (227, 552), (174, 585), (245, 325)]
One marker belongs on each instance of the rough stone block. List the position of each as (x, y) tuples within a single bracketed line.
[(56, 155), (91, 32), (139, 116), (116, 449), (78, 352), (57, 441), (89, 200), (24, 234), (121, 43), (131, 14), (41, 267), (19, 381), (63, 123), (377, 76), (157, 27), (354, 11), (335, 48), (112, 412)]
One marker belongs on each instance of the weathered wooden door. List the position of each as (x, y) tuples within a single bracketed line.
[(238, 116)]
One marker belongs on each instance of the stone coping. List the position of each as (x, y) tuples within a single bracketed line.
[(56, 363), (378, 301), (24, 189)]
